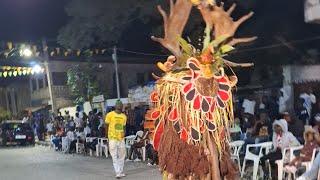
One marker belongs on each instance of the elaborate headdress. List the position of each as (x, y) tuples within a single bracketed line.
[(193, 107)]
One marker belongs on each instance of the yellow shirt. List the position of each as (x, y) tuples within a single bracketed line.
[(116, 124)]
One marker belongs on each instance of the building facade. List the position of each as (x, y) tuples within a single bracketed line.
[(131, 73)]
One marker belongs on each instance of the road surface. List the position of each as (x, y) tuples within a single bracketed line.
[(42, 163)]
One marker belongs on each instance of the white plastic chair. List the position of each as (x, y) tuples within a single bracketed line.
[(102, 145), (235, 147), (305, 164), (143, 149), (309, 163), (65, 143), (281, 163), (286, 157), (255, 158), (129, 140), (235, 130), (90, 139), (51, 143), (79, 147)]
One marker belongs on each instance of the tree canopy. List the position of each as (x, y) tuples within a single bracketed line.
[(106, 22), (82, 82), (100, 21)]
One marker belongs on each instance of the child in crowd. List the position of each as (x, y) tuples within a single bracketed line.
[(306, 151)]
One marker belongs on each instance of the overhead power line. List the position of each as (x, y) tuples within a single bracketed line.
[(142, 53), (278, 45), (238, 51)]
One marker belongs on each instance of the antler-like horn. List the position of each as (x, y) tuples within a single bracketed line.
[(221, 21), (174, 25)]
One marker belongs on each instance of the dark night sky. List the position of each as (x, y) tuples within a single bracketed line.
[(30, 20), (26, 20)]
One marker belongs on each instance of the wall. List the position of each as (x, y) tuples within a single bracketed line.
[(105, 72), (19, 94)]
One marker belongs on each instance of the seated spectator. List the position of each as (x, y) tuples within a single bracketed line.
[(101, 121), (248, 124), (237, 128), (81, 135), (294, 126), (91, 145), (312, 174), (49, 128), (151, 155), (306, 151), (316, 127), (140, 142), (57, 139), (87, 130), (72, 139), (281, 139), (259, 132), (70, 123)]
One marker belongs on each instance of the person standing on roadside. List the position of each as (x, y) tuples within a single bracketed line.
[(116, 122)]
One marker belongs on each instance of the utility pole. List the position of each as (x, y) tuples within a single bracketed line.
[(46, 66), (115, 60)]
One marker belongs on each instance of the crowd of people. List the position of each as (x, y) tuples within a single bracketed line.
[(65, 131), (268, 119), (260, 120)]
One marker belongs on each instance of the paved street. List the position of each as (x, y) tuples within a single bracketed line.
[(42, 163)]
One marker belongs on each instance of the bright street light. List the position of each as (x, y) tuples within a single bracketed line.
[(37, 69), (26, 52)]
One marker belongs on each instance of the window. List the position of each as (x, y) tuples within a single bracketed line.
[(59, 78)]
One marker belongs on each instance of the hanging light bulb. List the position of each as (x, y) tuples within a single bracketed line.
[(15, 73), (5, 74), (10, 73)]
